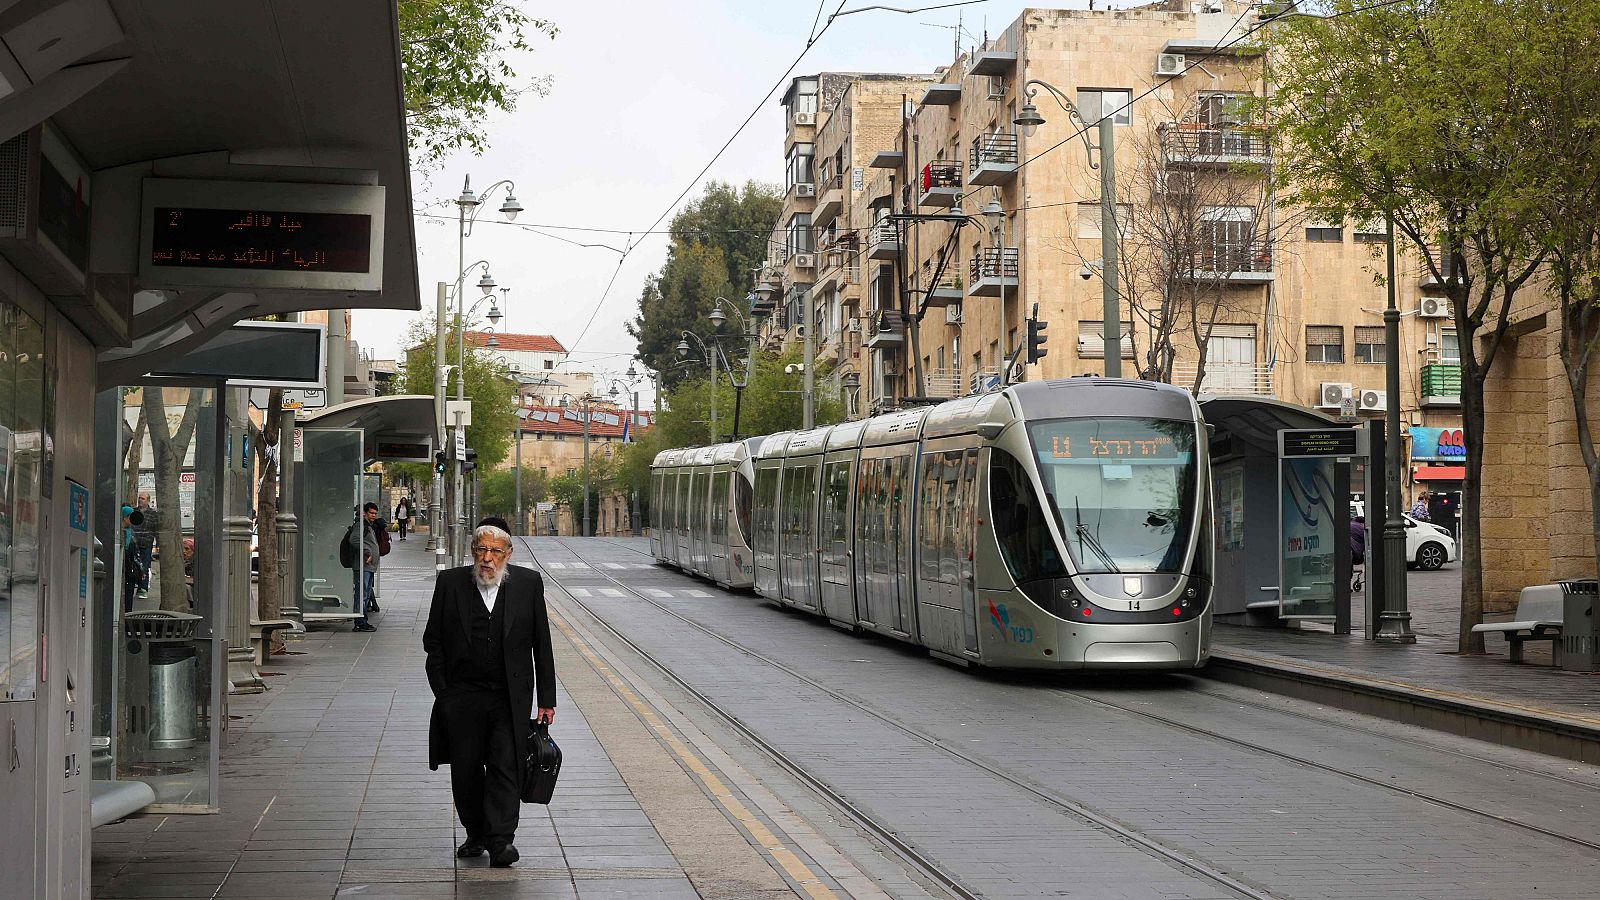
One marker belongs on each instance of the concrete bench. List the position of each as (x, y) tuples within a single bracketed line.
[(261, 633), (110, 801), (1539, 618)]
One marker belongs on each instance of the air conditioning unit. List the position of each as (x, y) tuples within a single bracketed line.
[(805, 189), (1433, 308), (805, 260), (1374, 401), (1169, 64), (853, 326), (997, 87), (1334, 394), (806, 118), (835, 259), (952, 314)]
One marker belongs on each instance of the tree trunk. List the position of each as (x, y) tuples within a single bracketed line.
[(1472, 428), (268, 586), (135, 456), (169, 449)]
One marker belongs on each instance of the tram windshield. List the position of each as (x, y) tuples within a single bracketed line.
[(1123, 489)]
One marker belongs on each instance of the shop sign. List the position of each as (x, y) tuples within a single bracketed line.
[(1438, 445)]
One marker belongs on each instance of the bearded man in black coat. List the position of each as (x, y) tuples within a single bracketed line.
[(488, 646)]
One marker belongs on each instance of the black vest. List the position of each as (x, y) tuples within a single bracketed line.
[(485, 667)]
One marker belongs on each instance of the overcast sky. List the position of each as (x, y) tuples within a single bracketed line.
[(643, 94)]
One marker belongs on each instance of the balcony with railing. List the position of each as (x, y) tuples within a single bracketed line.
[(941, 185), (839, 270), (1441, 384), (984, 380), (943, 384), (886, 328), (992, 271), (1190, 146), (1226, 379), (830, 200), (1240, 262), (994, 159), (948, 290), (884, 241)]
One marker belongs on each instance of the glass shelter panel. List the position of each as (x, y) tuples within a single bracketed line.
[(330, 491), (1310, 536)]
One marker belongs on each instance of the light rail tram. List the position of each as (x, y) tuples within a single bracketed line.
[(1057, 524)]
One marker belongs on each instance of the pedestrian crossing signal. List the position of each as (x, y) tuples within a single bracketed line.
[(438, 463)]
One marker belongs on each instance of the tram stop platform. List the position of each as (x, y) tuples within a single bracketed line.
[(326, 790), (1532, 705)]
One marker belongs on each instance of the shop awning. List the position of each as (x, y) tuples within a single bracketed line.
[(396, 416), (1440, 473)]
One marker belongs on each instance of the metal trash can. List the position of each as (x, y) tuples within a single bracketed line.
[(1580, 626), (173, 671)]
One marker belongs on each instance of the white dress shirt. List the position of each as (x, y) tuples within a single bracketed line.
[(490, 594)]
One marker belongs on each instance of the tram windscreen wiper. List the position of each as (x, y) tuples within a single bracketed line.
[(1085, 539)]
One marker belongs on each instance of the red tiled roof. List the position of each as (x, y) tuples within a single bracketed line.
[(533, 343), (556, 423)]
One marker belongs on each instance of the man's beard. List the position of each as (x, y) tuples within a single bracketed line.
[(495, 581)]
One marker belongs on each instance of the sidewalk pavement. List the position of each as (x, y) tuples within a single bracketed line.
[(326, 790)]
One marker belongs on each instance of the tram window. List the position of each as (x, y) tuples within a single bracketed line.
[(742, 498), (836, 508), (766, 513), (1019, 523), (928, 523), (719, 508), (953, 508), (1124, 490)]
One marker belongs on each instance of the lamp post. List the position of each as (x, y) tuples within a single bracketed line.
[(717, 317), (632, 378), (711, 360), (584, 527), (997, 214), (1029, 121), (1394, 623), (487, 285)]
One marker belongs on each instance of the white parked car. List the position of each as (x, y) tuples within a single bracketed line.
[(1427, 545)]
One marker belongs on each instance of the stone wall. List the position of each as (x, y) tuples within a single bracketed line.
[(1517, 478)]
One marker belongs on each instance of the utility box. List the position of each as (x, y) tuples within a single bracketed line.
[(1580, 626)]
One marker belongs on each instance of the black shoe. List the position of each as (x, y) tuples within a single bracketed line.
[(504, 856), (471, 848), (365, 626), (373, 607)]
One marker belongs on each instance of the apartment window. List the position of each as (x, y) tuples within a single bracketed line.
[(1222, 110), (1449, 347), (571, 471), (994, 353), (549, 364), (1089, 216), (1096, 103), (799, 168), (940, 359), (1369, 344), (800, 237), (1324, 230), (1371, 229), (1325, 343)]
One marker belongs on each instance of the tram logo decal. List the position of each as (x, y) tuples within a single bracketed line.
[(1001, 620)]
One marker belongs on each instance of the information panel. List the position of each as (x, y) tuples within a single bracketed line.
[(1307, 555), (1333, 442)]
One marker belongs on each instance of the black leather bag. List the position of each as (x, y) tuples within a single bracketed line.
[(542, 767)]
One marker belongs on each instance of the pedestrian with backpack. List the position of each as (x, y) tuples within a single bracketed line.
[(360, 548)]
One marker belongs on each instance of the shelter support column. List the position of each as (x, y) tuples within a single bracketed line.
[(288, 526), (242, 675)]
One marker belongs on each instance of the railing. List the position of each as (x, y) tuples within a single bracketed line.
[(885, 321), (996, 149), (836, 183), (1226, 379), (885, 233), (1233, 258), (942, 383), (984, 380), (941, 175), (1217, 142), (994, 263)]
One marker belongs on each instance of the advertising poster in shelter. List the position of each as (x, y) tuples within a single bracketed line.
[(1309, 536)]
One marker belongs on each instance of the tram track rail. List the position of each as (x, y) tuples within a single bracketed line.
[(1087, 697), (928, 866)]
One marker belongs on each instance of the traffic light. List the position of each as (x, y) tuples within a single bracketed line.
[(439, 463), (1036, 339)]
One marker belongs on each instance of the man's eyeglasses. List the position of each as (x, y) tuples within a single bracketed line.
[(490, 551)]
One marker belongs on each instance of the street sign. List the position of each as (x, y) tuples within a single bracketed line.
[(299, 445), (464, 407), (461, 443), (293, 398)]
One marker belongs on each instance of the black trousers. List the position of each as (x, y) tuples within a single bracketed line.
[(483, 765)]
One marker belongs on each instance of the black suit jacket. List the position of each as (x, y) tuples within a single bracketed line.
[(529, 665)]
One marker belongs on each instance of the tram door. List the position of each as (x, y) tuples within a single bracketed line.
[(680, 528), (837, 560), (898, 471), (718, 564), (697, 519), (799, 565)]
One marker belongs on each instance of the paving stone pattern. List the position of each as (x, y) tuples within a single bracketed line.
[(1282, 826), (326, 791)]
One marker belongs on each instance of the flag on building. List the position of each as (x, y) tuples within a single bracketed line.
[(627, 425)]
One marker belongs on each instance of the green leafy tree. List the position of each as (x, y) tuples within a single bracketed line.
[(499, 492), (1411, 109), (453, 55), (493, 395), (717, 241), (772, 403)]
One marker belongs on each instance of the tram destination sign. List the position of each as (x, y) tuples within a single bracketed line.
[(1300, 442), (261, 235)]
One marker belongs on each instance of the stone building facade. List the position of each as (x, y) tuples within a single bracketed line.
[(553, 443)]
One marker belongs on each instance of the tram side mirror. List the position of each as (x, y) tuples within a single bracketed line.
[(990, 430)]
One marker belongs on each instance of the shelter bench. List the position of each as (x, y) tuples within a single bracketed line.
[(1539, 617)]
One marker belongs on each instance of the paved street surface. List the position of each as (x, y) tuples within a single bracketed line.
[(785, 757)]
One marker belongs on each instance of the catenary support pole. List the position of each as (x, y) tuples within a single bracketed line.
[(1112, 306), (436, 502)]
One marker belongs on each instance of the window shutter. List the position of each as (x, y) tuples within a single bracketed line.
[(1317, 335), (1092, 343)]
